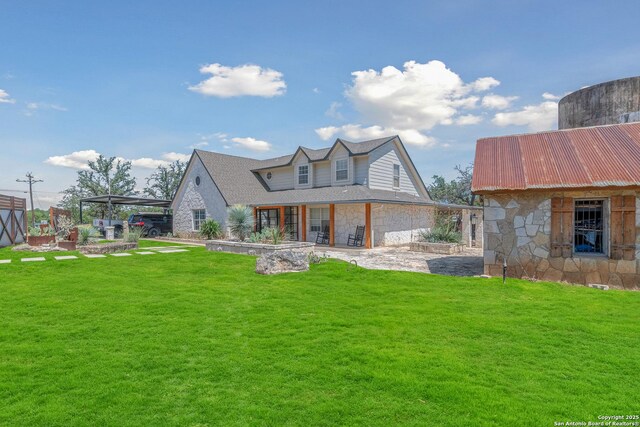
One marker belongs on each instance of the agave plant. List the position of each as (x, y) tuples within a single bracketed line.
[(210, 229), (240, 221)]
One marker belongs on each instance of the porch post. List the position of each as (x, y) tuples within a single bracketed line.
[(332, 224), (303, 225), (367, 225), (255, 219), (281, 219)]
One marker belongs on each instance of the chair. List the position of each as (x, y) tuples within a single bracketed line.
[(356, 239), (323, 236)]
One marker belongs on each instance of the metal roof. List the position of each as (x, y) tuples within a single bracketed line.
[(127, 200), (599, 156)]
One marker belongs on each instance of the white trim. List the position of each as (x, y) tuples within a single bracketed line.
[(335, 170), (393, 176)]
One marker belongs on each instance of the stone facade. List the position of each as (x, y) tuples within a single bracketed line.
[(395, 224), (191, 196), (517, 227)]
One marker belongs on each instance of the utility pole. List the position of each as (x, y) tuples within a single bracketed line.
[(31, 180)]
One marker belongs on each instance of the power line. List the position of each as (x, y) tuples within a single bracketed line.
[(31, 180)]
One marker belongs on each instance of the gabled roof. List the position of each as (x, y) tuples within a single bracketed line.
[(317, 155), (593, 157)]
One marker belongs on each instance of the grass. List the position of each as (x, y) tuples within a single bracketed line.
[(198, 338)]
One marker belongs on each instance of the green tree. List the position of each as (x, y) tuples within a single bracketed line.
[(163, 183), (104, 176), (456, 191)]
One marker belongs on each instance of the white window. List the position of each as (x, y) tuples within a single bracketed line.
[(342, 169), (319, 218), (396, 176), (303, 174), (199, 215)]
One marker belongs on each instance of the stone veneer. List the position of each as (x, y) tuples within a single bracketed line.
[(395, 224), (517, 227)]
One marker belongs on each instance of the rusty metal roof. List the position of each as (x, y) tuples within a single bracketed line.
[(599, 156)]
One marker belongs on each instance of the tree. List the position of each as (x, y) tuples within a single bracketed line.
[(163, 183), (104, 176), (456, 191)]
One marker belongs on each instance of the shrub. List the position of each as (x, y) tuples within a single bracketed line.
[(65, 225), (210, 229), (240, 221), (444, 231), (133, 235), (85, 233)]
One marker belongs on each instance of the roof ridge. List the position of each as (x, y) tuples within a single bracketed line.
[(557, 130)]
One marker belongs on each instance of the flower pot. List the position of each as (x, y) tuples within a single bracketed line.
[(68, 245), (40, 240)]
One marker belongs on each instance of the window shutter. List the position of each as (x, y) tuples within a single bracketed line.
[(623, 227), (561, 226)]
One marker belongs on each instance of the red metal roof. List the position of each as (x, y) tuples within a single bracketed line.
[(600, 156)]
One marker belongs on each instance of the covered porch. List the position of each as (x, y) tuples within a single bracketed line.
[(304, 222)]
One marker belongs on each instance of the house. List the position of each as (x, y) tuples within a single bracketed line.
[(561, 205), (371, 183)]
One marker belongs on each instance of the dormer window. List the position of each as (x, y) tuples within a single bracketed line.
[(303, 174), (342, 169), (396, 176)]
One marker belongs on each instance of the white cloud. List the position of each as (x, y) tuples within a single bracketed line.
[(468, 119), (199, 145), (333, 111), (540, 117), (44, 106), (550, 97), (5, 98), (497, 102), (80, 159), (252, 144), (315, 90), (244, 80), (75, 160), (485, 83), (357, 132)]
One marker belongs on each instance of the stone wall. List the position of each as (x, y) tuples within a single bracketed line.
[(348, 217), (248, 248), (395, 224), (518, 227), (191, 196)]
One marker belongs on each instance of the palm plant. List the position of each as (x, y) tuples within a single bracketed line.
[(240, 221)]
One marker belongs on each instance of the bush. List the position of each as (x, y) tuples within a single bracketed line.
[(240, 221), (210, 229), (133, 235), (444, 231), (270, 235), (85, 233)]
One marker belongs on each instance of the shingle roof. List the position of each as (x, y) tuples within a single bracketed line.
[(599, 156), (239, 184)]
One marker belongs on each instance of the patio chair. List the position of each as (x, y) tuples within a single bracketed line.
[(356, 239), (323, 236)]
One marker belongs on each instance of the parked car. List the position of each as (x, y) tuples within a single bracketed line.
[(153, 223), (101, 223)]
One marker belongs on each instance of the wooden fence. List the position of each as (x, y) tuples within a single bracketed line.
[(13, 220)]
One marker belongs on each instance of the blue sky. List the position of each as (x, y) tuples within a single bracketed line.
[(139, 80)]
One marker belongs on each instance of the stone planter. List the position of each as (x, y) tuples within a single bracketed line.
[(108, 248), (257, 248), (437, 248), (67, 244), (40, 240)]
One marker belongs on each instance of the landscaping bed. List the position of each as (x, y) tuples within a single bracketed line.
[(107, 248), (249, 248), (437, 248)]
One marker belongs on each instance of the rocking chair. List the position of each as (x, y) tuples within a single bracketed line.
[(356, 239)]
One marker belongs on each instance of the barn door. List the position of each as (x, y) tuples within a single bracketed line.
[(623, 227), (562, 227)]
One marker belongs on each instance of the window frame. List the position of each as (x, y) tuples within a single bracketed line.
[(395, 177), (315, 223), (605, 228), (307, 174), (336, 170), (197, 220)]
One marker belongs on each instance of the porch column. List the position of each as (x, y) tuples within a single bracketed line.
[(255, 219), (282, 219), (303, 225), (332, 224), (367, 225)]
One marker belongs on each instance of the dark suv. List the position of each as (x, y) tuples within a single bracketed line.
[(153, 224)]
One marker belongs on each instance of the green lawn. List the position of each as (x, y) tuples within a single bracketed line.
[(198, 338)]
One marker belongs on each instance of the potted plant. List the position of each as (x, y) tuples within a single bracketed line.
[(39, 236)]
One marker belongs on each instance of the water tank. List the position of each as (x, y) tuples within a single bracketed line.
[(617, 101)]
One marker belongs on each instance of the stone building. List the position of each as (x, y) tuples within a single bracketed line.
[(371, 183), (561, 205)]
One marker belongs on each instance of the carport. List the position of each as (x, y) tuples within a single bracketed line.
[(124, 200)]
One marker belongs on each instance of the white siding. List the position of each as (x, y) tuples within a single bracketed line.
[(281, 178), (381, 162), (322, 174), (361, 169)]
